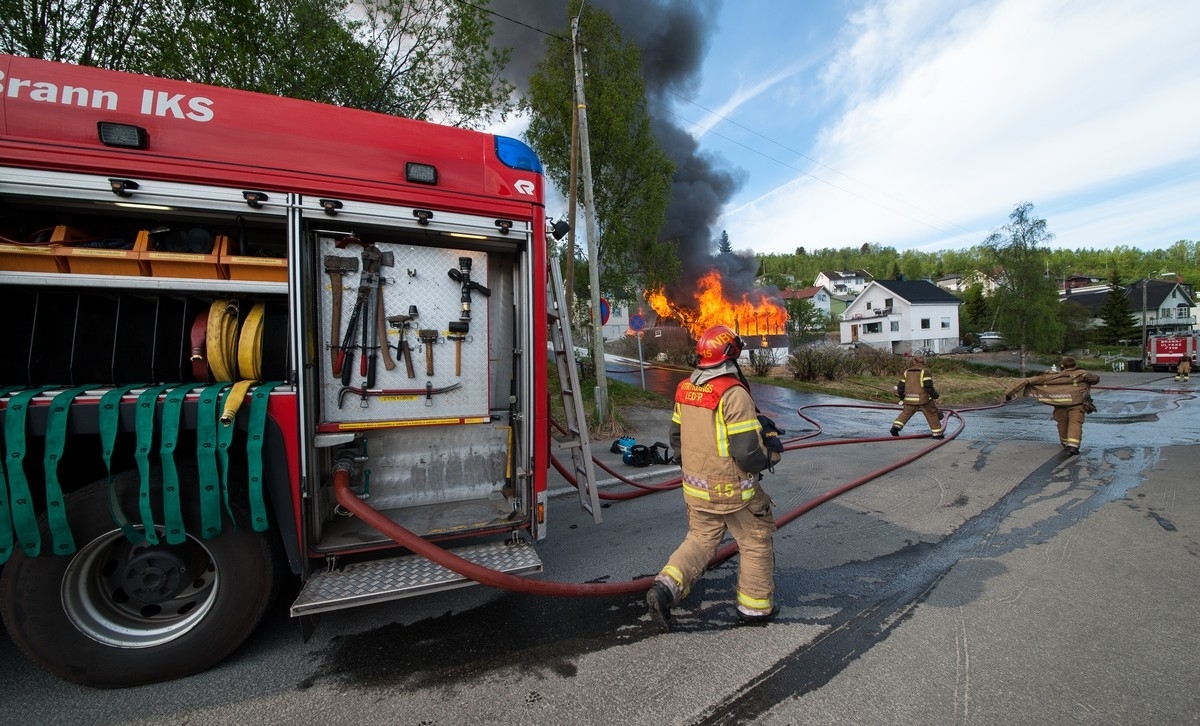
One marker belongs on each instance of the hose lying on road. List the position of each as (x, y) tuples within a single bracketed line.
[(484, 576)]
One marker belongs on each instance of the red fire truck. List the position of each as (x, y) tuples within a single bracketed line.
[(1163, 352), (227, 316)]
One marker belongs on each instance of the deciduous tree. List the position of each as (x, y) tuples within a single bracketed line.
[(631, 174), (425, 59), (1026, 299)]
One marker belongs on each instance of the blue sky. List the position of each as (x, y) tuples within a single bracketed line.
[(920, 124)]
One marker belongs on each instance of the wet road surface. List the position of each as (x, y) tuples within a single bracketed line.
[(994, 581)]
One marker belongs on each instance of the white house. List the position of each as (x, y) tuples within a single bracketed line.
[(1169, 306), (843, 282), (902, 316), (960, 283)]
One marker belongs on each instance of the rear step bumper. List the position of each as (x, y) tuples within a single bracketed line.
[(365, 583)]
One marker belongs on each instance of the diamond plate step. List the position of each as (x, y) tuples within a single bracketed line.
[(364, 583)]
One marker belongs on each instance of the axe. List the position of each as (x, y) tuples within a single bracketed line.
[(337, 266)]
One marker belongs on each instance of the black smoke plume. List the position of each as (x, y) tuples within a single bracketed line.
[(673, 36)]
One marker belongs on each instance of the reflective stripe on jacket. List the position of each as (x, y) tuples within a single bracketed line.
[(715, 430), (916, 386), (1060, 388)]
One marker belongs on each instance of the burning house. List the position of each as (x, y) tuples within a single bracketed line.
[(754, 313)]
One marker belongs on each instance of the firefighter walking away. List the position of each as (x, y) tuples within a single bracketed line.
[(917, 393), (1069, 391), (723, 445)]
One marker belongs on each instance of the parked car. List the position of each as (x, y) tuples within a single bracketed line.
[(961, 349)]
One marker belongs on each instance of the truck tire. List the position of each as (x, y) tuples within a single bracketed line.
[(119, 614)]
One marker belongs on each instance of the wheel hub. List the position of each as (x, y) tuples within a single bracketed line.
[(153, 576)]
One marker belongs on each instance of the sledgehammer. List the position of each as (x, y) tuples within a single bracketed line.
[(458, 333)]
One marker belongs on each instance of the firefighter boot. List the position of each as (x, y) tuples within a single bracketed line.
[(658, 601), (750, 616)]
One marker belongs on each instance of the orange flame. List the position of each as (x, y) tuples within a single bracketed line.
[(761, 317)]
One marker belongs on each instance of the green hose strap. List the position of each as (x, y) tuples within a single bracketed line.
[(56, 439), (207, 419), (172, 510), (143, 426), (109, 418), (16, 505), (224, 439), (254, 444)]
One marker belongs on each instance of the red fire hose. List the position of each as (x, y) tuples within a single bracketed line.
[(504, 581)]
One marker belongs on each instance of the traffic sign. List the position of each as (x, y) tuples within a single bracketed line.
[(603, 311), (636, 322)]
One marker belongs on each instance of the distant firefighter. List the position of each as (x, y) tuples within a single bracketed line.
[(1183, 371)]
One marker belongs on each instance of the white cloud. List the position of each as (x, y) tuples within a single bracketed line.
[(963, 111)]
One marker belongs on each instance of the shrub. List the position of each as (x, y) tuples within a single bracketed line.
[(761, 362), (879, 362), (809, 364)]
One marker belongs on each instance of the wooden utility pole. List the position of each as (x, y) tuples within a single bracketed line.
[(571, 214), (593, 232)]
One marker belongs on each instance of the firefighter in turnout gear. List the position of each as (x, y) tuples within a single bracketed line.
[(723, 445), (917, 393), (1069, 391), (1183, 371)]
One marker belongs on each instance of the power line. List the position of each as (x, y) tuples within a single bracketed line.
[(535, 29)]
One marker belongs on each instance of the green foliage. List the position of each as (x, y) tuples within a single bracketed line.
[(977, 308), (424, 59), (631, 174), (1076, 321), (806, 322), (1181, 258), (810, 364), (724, 246), (762, 362), (1116, 314), (1026, 300)]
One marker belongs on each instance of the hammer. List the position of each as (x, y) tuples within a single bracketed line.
[(428, 337), (336, 267), (458, 332), (403, 351)]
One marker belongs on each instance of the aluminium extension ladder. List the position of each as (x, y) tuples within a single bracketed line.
[(576, 439)]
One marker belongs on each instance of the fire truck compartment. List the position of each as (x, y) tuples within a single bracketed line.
[(433, 481)]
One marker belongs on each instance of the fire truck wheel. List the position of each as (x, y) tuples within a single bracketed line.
[(119, 614)]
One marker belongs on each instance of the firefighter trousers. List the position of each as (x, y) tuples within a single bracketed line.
[(931, 416), (753, 527), (1070, 424)]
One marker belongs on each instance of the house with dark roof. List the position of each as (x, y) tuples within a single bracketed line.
[(903, 316), (1166, 306), (843, 282)]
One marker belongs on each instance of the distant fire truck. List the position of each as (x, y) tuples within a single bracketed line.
[(224, 310), (1163, 352)]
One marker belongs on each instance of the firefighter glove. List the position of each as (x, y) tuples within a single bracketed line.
[(771, 441)]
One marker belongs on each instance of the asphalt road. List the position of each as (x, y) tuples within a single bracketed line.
[(993, 581)]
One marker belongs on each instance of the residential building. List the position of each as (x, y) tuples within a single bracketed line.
[(844, 282), (1165, 307), (903, 316), (817, 295)]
